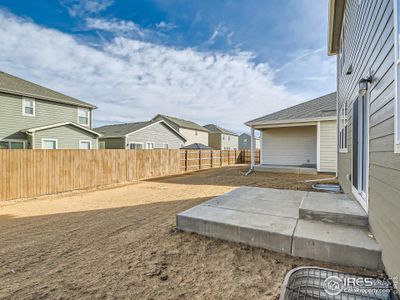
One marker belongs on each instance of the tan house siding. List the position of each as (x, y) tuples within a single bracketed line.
[(328, 150), (194, 136), (289, 145), (214, 140), (68, 137), (369, 44)]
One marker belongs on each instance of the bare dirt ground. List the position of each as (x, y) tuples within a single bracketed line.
[(121, 243)]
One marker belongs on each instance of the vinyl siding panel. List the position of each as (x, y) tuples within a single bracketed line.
[(68, 137), (214, 140), (158, 134), (229, 142), (328, 146), (12, 121), (289, 145), (369, 44), (194, 136), (114, 143)]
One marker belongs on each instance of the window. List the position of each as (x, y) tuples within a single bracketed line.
[(49, 144), (245, 141), (196, 133), (135, 146), (343, 129), (397, 74), (166, 146), (28, 107), (229, 137), (149, 145), (85, 145), (223, 137), (12, 144), (83, 116), (102, 145)]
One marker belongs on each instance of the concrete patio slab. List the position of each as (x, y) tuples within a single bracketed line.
[(333, 208), (346, 245), (270, 219)]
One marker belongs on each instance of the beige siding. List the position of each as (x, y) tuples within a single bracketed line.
[(328, 146), (369, 44), (289, 145), (194, 136), (229, 142), (68, 137), (214, 140), (12, 121)]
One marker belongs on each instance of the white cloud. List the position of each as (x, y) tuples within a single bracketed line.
[(83, 7), (114, 26), (130, 80), (166, 25)]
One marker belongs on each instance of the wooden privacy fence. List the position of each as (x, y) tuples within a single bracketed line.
[(32, 173), (246, 156)]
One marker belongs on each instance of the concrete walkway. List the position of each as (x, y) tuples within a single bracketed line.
[(306, 224)]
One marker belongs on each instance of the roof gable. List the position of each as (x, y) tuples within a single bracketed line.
[(321, 107), (217, 129), (181, 122), (13, 85)]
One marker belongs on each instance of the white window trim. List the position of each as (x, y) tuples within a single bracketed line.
[(344, 149), (135, 143), (25, 99), (154, 145), (53, 140), (396, 75), (88, 116), (85, 141), (163, 145), (14, 140)]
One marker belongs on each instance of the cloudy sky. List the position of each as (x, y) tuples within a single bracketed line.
[(222, 62)]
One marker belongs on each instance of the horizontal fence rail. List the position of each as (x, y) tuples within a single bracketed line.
[(32, 173)]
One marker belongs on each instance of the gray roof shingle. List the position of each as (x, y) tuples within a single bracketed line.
[(181, 123), (197, 146), (321, 107), (120, 130), (215, 128), (15, 85)]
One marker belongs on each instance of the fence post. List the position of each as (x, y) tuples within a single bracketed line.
[(186, 160), (199, 159), (211, 157)]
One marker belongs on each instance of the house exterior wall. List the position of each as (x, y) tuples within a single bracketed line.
[(327, 146), (229, 142), (289, 145), (368, 43), (194, 136), (113, 143), (67, 137), (12, 121), (214, 140), (245, 142), (158, 134)]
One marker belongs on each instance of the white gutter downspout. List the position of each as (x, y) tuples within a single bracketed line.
[(252, 164)]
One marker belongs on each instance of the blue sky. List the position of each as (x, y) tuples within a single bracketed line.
[(221, 62)]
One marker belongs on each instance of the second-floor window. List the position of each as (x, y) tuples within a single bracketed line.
[(83, 116), (28, 107)]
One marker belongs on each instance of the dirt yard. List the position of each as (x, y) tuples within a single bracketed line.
[(121, 243)]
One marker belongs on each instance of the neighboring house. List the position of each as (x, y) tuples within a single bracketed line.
[(35, 117), (364, 37), (194, 133), (301, 136), (222, 139), (245, 141), (197, 146), (140, 135)]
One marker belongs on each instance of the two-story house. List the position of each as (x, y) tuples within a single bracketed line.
[(222, 139), (245, 141), (35, 117), (193, 132)]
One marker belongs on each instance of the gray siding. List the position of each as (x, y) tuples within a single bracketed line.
[(157, 133), (114, 143), (12, 121), (369, 43), (68, 137)]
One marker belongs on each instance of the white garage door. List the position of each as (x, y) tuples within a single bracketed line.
[(289, 146)]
